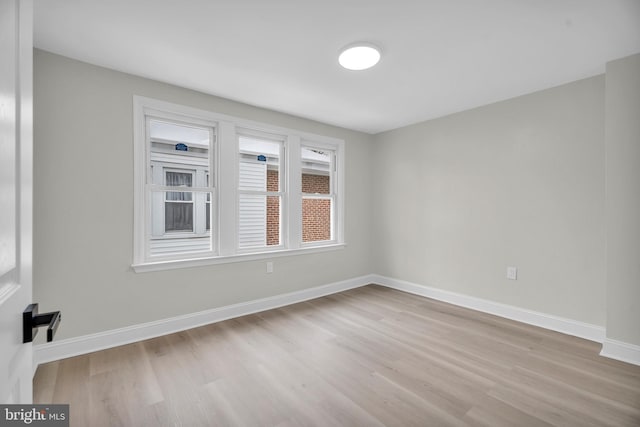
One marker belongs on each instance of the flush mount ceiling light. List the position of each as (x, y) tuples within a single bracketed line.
[(359, 56)]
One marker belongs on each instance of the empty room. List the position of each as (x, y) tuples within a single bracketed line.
[(304, 213)]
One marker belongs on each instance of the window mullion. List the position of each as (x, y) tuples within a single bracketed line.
[(228, 177), (294, 193), (185, 202)]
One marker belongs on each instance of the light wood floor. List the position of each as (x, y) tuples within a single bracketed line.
[(367, 357)]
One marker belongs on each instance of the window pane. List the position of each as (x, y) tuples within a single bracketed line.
[(273, 220), (186, 147), (259, 220), (179, 179), (179, 227), (192, 136), (316, 179), (253, 175), (182, 196), (259, 158), (316, 170), (178, 216), (315, 184), (273, 180), (316, 219), (252, 220), (179, 158)]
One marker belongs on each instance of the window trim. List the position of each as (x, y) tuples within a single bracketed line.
[(146, 110), (332, 195), (225, 177), (241, 257)]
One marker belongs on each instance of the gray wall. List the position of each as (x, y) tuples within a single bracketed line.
[(448, 203), (84, 207), (516, 183), (623, 199)]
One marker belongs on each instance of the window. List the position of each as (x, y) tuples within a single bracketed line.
[(178, 206), (178, 166), (259, 192), (318, 194), (212, 188)]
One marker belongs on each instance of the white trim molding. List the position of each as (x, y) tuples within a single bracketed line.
[(253, 256), (222, 242), (57, 350), (530, 317), (622, 351), (70, 347)]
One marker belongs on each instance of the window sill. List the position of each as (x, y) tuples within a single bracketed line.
[(198, 262)]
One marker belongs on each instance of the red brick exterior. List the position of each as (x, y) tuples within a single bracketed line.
[(316, 213), (316, 219), (273, 210), (315, 184)]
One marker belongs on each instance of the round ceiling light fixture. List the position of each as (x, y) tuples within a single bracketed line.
[(359, 56)]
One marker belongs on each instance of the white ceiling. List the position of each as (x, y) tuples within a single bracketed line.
[(439, 56)]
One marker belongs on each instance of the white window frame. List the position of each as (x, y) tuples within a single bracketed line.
[(223, 172), (282, 192), (334, 191)]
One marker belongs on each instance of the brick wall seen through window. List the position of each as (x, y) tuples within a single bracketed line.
[(316, 213), (273, 210)]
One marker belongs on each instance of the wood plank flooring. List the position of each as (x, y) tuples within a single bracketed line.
[(371, 356)]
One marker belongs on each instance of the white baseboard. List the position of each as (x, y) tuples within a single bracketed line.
[(621, 351), (62, 349), (89, 343), (543, 320)]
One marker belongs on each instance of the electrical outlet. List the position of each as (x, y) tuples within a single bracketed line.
[(269, 266), (512, 273)]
